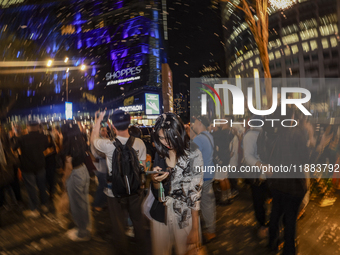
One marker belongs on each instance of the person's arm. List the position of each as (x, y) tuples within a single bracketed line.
[(67, 169), (195, 191), (96, 128), (249, 151)]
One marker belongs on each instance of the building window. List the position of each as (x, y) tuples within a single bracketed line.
[(334, 41), (335, 54), (277, 54), (324, 43), (290, 39), (328, 29), (250, 63), (307, 24), (326, 55), (315, 57), (309, 34), (278, 42), (295, 60), (257, 61), (278, 64), (288, 62), (271, 56), (287, 51), (313, 45), (306, 58), (295, 49), (305, 47)]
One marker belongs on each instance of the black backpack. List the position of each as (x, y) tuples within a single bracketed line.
[(126, 170), (222, 140)]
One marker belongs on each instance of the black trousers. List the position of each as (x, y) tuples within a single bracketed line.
[(119, 208), (286, 206), (51, 170), (260, 193), (15, 185)]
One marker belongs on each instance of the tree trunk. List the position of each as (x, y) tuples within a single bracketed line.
[(267, 75)]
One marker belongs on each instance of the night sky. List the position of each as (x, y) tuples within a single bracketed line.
[(195, 31)]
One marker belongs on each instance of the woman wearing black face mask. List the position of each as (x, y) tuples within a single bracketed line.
[(175, 195)]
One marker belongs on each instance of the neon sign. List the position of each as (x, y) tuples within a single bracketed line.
[(132, 108), (123, 75)]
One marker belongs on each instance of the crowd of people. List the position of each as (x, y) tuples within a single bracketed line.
[(155, 182)]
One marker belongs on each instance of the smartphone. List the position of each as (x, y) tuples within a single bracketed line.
[(155, 172)]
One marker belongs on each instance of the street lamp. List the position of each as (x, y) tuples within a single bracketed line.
[(67, 84), (82, 67), (49, 63), (66, 60)]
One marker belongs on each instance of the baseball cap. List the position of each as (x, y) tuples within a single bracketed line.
[(120, 119), (204, 120)]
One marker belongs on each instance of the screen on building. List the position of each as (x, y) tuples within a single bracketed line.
[(152, 103)]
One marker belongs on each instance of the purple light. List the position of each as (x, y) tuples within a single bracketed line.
[(80, 44), (113, 55), (145, 49), (124, 53), (18, 54), (90, 84)]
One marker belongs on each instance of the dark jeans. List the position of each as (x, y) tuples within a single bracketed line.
[(260, 193), (32, 180), (100, 199), (15, 185), (286, 206), (119, 207), (51, 177)]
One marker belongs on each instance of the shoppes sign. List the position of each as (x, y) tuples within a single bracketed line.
[(123, 75)]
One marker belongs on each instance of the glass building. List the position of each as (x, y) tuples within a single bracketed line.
[(303, 41), (102, 51)]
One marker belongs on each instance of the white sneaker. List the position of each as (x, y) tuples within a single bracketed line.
[(327, 201), (73, 235), (44, 209), (129, 232), (31, 214)]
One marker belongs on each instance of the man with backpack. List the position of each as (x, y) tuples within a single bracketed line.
[(123, 157), (205, 142)]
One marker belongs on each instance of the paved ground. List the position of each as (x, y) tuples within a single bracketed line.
[(318, 232)]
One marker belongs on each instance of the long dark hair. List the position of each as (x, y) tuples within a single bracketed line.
[(174, 133), (73, 144)]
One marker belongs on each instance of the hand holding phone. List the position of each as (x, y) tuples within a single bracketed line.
[(159, 175)]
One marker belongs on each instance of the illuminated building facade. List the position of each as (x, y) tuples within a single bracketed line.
[(303, 41), (120, 44)]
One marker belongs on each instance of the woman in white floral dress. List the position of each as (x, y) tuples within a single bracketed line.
[(173, 201)]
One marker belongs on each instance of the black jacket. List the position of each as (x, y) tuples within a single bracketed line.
[(32, 148)]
